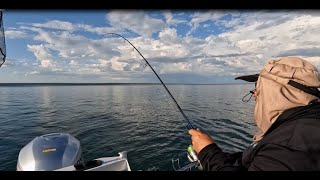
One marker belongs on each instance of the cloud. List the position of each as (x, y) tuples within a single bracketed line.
[(168, 34), (247, 40), (99, 30), (56, 24), (224, 46), (43, 55), (200, 17), (273, 36), (170, 20), (136, 21), (243, 49), (15, 34), (14, 63), (311, 52), (32, 73)]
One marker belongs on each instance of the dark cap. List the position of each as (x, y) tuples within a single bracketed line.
[(249, 78)]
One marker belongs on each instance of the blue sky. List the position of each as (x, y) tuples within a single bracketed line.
[(183, 46)]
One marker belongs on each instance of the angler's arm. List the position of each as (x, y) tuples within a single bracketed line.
[(212, 158)]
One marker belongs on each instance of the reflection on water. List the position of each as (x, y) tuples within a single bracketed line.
[(140, 119)]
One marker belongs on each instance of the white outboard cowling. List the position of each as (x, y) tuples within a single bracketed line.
[(49, 152)]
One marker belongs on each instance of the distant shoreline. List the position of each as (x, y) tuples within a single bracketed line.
[(105, 84)]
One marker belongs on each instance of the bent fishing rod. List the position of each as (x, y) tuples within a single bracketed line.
[(184, 116), (192, 155)]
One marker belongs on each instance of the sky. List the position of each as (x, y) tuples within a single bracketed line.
[(183, 46)]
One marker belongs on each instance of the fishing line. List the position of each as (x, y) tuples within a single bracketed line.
[(147, 63)]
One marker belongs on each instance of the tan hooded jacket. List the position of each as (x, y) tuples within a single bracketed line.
[(275, 95)]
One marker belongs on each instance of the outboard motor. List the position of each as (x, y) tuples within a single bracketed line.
[(49, 152)]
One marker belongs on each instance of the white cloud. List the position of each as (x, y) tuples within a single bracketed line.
[(252, 39), (15, 34), (99, 30), (200, 17), (222, 48), (176, 67), (170, 20), (42, 54), (31, 73), (56, 24), (168, 34), (275, 35), (116, 65), (136, 21)]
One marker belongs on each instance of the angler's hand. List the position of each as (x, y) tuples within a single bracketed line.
[(200, 139)]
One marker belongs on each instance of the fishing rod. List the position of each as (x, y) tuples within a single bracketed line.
[(191, 154), (184, 116)]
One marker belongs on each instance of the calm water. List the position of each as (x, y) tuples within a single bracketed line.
[(139, 119)]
